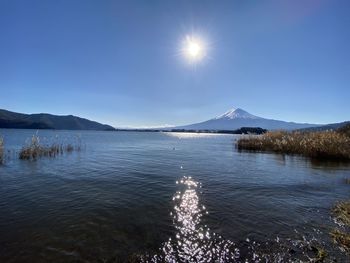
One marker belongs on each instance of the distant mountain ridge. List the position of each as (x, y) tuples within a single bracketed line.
[(9, 119), (237, 118)]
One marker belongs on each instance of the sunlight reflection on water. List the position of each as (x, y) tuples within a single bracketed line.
[(192, 135), (193, 241)]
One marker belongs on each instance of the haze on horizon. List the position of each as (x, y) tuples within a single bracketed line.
[(120, 62)]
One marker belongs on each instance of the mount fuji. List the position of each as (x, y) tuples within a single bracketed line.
[(237, 118)]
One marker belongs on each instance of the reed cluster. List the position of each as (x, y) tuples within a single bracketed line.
[(35, 149), (2, 157), (345, 130), (341, 212), (321, 144)]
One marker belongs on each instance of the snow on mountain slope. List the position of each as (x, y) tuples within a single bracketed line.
[(236, 113)]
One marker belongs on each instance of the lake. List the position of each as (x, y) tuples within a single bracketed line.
[(164, 197)]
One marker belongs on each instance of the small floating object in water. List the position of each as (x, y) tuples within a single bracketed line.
[(181, 167)]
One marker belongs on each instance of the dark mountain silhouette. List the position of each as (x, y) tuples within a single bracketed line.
[(16, 120)]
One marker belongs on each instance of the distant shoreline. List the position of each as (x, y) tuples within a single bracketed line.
[(243, 130)]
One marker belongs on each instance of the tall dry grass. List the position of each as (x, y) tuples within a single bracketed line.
[(35, 149), (325, 144), (345, 130)]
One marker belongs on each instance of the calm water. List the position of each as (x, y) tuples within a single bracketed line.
[(164, 196)]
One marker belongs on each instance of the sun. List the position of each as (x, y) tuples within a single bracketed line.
[(193, 49)]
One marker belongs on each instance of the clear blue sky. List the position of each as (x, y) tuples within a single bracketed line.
[(117, 62)]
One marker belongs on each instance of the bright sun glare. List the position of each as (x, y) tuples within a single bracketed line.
[(193, 49)]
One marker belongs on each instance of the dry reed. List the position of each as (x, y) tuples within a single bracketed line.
[(322, 145), (35, 149)]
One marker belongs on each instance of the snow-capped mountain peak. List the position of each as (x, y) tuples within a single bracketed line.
[(235, 114), (237, 118)]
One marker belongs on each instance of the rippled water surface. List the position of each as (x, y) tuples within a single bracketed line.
[(161, 197)]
